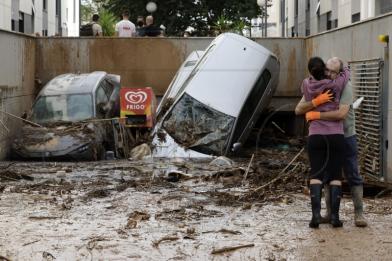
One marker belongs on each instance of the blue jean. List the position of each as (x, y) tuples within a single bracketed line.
[(350, 165)]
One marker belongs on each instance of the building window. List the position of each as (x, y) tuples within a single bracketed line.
[(335, 23), (21, 22), (57, 7), (293, 33), (329, 21), (355, 17)]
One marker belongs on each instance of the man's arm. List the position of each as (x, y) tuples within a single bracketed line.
[(336, 115), (346, 100), (303, 107)]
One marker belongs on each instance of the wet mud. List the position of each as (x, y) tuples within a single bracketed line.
[(177, 210)]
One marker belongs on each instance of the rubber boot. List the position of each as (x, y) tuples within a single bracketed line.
[(336, 194), (327, 195), (315, 199), (357, 195)]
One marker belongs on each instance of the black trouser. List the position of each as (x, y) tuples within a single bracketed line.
[(326, 156)]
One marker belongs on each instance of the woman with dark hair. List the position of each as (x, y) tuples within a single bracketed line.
[(326, 138)]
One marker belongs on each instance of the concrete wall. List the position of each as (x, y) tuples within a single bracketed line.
[(151, 61), (140, 62), (17, 65)]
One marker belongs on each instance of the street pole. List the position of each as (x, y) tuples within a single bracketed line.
[(265, 18)]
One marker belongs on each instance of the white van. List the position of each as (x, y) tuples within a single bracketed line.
[(220, 100)]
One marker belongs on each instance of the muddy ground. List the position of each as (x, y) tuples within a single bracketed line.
[(177, 210)]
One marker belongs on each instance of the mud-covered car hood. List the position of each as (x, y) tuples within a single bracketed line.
[(53, 140)]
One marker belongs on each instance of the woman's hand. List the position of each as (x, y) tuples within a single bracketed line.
[(312, 115), (323, 98)]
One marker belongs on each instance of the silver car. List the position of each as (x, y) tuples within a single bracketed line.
[(70, 108)]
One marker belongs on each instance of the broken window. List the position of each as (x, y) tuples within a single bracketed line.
[(196, 126), (74, 107)]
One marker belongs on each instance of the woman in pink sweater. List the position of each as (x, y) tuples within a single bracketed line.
[(325, 141)]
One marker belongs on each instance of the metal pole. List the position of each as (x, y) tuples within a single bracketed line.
[(265, 18), (385, 94)]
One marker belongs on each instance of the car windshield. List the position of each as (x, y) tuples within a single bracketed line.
[(199, 127), (71, 107)]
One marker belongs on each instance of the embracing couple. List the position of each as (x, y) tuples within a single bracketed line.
[(332, 147)]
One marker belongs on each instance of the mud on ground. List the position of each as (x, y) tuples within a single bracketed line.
[(177, 210)]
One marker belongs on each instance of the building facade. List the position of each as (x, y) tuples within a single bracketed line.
[(43, 17), (308, 17)]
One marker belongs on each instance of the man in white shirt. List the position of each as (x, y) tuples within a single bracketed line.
[(125, 28)]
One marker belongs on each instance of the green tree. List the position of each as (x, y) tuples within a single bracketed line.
[(87, 10), (177, 15), (108, 21)]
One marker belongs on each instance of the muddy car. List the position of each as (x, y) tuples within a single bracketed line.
[(216, 106), (70, 109), (178, 81)]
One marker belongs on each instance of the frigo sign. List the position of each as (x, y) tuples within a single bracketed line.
[(137, 107), (136, 100)]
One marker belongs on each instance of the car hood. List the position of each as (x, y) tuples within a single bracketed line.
[(60, 138)]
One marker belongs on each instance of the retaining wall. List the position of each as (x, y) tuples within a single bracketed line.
[(17, 70)]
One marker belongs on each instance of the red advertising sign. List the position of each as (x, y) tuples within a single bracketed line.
[(137, 107)]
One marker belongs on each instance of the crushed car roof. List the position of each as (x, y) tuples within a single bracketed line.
[(73, 83)]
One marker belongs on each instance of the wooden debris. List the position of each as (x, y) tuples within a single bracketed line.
[(3, 258), (135, 217), (229, 249), (32, 242), (166, 238), (43, 217), (281, 174), (224, 231), (248, 168)]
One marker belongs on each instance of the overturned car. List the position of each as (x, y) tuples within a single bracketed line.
[(70, 110), (213, 110)]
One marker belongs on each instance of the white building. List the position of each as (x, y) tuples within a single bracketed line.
[(306, 17), (257, 24), (44, 17)]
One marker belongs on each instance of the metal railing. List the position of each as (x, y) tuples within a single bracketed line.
[(366, 78)]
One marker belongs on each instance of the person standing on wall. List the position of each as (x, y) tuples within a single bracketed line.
[(125, 28)]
